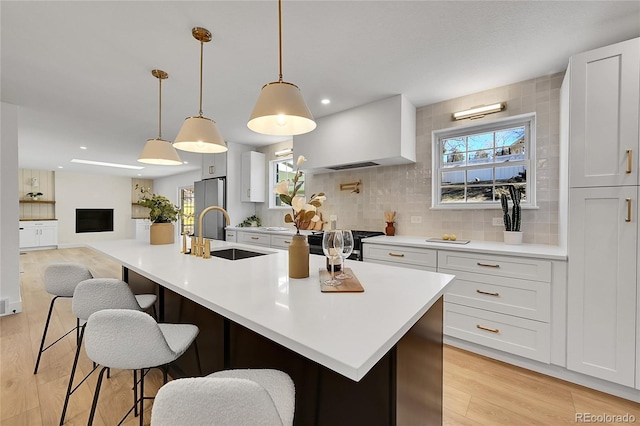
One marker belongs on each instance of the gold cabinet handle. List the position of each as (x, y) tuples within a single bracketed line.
[(492, 330), (628, 218), (255, 238), (488, 265), (287, 242), (396, 254), (488, 293), (629, 160)]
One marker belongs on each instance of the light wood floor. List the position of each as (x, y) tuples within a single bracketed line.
[(477, 390)]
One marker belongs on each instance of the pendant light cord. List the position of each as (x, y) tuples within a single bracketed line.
[(280, 37), (201, 56), (160, 109)]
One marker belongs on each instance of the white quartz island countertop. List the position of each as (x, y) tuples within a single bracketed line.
[(346, 332)]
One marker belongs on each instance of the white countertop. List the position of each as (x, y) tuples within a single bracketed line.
[(346, 332), (488, 247), (279, 230)]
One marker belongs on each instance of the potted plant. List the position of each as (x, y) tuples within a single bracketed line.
[(162, 214), (34, 195), (512, 233)]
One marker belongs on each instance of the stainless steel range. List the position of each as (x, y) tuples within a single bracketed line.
[(315, 242)]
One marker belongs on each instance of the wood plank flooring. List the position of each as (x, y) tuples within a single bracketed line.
[(477, 390)]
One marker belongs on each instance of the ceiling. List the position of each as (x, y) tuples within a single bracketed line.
[(80, 71)]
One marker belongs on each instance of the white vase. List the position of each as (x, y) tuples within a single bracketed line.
[(513, 237)]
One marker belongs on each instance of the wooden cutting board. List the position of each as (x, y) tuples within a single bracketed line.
[(349, 285)]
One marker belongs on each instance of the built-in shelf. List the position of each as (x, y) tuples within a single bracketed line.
[(37, 201)]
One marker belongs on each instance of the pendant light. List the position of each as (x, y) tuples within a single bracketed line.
[(281, 109), (158, 150), (200, 134)]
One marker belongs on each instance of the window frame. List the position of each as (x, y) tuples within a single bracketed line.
[(528, 120), (272, 181)]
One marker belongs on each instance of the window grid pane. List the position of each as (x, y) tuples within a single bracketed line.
[(473, 166)]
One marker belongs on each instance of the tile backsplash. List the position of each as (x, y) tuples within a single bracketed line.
[(406, 189)]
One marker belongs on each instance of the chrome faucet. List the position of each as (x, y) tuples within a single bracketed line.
[(202, 249)]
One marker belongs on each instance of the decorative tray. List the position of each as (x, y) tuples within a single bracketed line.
[(349, 285), (440, 240)]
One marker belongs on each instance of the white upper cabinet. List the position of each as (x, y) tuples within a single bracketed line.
[(604, 116), (214, 165), (379, 133), (253, 177)]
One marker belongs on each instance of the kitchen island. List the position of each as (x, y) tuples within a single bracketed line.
[(355, 358)]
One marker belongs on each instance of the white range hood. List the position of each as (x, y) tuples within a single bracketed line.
[(380, 133)]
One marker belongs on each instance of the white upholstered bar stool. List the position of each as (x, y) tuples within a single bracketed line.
[(132, 340), (60, 280), (252, 397), (91, 296)]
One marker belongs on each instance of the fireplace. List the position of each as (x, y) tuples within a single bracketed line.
[(94, 220)]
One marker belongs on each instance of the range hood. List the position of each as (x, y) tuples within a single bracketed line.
[(380, 133)]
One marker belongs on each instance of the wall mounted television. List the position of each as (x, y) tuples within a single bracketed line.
[(94, 220)]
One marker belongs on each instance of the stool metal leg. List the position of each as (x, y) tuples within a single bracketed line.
[(72, 375), (141, 397), (94, 405), (44, 334), (135, 393)]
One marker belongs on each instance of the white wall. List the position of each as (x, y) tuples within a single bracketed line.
[(9, 236), (74, 190)]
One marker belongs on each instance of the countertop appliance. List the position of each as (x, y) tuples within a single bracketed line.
[(210, 192), (315, 242)]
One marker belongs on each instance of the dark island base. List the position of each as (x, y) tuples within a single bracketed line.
[(403, 388)]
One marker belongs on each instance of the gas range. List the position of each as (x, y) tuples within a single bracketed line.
[(315, 242)]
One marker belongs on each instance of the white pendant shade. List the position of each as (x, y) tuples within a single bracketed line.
[(159, 151), (281, 111), (200, 134)]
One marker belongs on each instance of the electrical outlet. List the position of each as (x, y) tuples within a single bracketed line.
[(497, 221), (416, 219)]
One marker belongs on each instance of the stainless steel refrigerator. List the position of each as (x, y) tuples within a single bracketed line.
[(210, 192)]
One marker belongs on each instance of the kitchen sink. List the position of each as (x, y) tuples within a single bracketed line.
[(235, 253)]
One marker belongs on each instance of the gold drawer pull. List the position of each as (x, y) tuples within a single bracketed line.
[(255, 238), (488, 293), (287, 242), (493, 330), (396, 254), (629, 161), (488, 265), (628, 218)]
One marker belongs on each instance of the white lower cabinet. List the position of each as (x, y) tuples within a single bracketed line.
[(141, 229), (602, 284), (230, 236), (408, 257), (281, 241), (266, 239), (36, 234), (502, 302)]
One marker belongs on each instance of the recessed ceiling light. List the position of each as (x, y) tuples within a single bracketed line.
[(101, 163), (185, 162), (325, 102), (83, 147), (60, 167)]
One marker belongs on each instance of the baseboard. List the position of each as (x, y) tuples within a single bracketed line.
[(12, 308), (548, 369)]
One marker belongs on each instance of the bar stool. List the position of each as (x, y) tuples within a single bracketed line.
[(93, 295), (132, 340), (229, 397), (60, 280)]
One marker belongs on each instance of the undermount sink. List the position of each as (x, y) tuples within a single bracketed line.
[(235, 253)]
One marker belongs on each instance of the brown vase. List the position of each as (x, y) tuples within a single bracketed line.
[(299, 257), (161, 233), (390, 230)]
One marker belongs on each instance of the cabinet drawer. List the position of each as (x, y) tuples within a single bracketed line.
[(281, 241), (230, 236), (523, 337), (401, 255), (506, 266), (511, 296), (253, 238)]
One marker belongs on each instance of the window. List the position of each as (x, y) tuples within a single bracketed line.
[(187, 205), (279, 170), (477, 163)]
